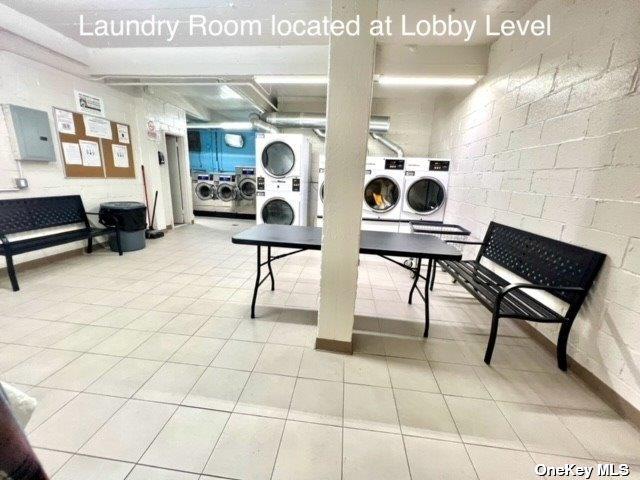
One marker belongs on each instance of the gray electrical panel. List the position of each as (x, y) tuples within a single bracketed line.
[(31, 134)]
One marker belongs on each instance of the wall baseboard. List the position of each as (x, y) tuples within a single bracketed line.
[(604, 391), (334, 345)]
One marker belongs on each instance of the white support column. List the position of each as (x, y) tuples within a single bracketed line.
[(351, 66)]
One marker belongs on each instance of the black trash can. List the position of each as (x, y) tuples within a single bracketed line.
[(131, 220)]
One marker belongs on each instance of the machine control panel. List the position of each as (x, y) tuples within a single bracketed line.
[(394, 164), (205, 177), (295, 184), (227, 178), (439, 166), (260, 183), (248, 171)]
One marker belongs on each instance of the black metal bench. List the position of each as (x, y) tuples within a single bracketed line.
[(22, 215), (565, 271)]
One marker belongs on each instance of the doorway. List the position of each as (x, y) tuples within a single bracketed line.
[(174, 162)]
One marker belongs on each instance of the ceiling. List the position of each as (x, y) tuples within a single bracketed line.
[(63, 16)]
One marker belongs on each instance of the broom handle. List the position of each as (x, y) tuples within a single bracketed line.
[(146, 199), (153, 217)]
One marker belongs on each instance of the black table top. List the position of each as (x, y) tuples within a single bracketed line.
[(371, 242)]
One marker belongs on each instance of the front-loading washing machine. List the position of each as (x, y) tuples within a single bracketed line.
[(204, 192), (246, 190), (425, 190), (382, 200), (281, 157), (224, 201)]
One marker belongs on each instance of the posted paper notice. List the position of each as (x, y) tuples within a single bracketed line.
[(71, 153), (90, 154), (97, 127), (123, 133), (120, 156), (64, 122)]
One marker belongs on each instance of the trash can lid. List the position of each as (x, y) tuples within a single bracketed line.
[(122, 206)]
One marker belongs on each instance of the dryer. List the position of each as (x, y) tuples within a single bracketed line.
[(204, 192), (246, 190), (281, 158), (425, 190), (382, 200), (282, 208)]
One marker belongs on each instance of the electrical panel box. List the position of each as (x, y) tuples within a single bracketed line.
[(30, 132)]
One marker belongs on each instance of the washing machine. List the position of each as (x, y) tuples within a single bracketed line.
[(425, 190), (246, 190), (204, 192), (283, 207), (382, 201), (281, 158), (224, 202)]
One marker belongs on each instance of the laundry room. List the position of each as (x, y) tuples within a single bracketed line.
[(319, 239)]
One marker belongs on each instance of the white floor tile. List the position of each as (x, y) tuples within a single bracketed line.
[(367, 370), (317, 401), (198, 351), (501, 464), (129, 432), (411, 375), (217, 389), (238, 355), (424, 414), (370, 408), (187, 440), (159, 346), (170, 383), (434, 459), (89, 468), (81, 372), (247, 448), (39, 366), (121, 343), (141, 472), (71, 426), (373, 456), (322, 365), (125, 378), (309, 452), (267, 395), (458, 380), (279, 359)]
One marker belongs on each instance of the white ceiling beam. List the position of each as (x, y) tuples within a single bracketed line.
[(38, 33)]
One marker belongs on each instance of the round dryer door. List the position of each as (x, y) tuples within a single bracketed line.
[(226, 192), (425, 195), (247, 189), (381, 194), (278, 159), (278, 212), (205, 191)]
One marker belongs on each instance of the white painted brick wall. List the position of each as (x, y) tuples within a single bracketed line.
[(570, 169)]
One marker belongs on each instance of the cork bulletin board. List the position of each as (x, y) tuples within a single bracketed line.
[(92, 154)]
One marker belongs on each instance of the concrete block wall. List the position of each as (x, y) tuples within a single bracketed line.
[(550, 142), (32, 84)]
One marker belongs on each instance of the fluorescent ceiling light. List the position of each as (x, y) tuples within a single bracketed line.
[(291, 79), (433, 81)]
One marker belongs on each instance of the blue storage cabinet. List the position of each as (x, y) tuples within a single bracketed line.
[(216, 156)]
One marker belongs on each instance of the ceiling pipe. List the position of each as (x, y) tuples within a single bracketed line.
[(378, 124), (320, 133), (388, 143), (261, 126)]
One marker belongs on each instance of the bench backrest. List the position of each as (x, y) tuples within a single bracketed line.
[(542, 260), (25, 214)]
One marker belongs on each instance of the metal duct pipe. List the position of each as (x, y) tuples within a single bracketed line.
[(260, 126), (389, 144), (320, 133), (318, 120)]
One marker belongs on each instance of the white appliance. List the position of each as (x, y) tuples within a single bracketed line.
[(382, 201), (282, 207), (204, 192), (281, 158), (246, 190), (425, 190), (224, 200)]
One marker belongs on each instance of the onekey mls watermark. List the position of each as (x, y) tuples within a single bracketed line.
[(573, 470)]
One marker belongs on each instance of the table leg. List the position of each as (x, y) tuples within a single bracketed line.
[(273, 281), (426, 297), (416, 277), (257, 284), (433, 275)]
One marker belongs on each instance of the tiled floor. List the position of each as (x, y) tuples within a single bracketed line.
[(148, 367)]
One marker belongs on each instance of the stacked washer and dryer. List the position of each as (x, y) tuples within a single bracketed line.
[(398, 191), (282, 178)]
